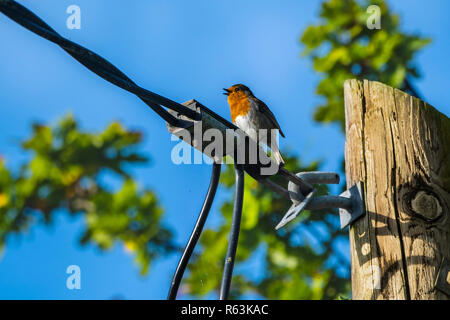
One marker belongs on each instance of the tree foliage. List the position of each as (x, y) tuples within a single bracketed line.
[(65, 173), (342, 47)]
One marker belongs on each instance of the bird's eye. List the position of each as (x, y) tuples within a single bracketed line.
[(237, 89)]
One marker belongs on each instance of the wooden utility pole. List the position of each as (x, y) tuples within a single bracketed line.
[(399, 147)]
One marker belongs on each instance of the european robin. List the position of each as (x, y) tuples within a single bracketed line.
[(250, 114)]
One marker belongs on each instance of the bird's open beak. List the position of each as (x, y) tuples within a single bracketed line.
[(227, 92)]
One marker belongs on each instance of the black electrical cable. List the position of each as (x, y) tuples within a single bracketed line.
[(195, 235), (234, 233), (109, 72)]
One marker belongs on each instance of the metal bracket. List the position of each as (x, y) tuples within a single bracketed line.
[(443, 277), (350, 203), (355, 194)]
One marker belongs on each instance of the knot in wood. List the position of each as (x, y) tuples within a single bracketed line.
[(426, 205)]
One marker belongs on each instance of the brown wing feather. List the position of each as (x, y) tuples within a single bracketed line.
[(266, 111)]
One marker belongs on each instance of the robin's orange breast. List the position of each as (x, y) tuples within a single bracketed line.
[(239, 106)]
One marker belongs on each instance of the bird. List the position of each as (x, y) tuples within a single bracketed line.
[(250, 114)]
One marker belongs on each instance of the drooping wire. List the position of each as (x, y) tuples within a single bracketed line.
[(195, 235), (234, 233)]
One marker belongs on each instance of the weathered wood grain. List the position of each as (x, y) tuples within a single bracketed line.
[(399, 147)]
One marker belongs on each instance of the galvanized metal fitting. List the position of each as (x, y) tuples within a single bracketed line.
[(350, 202)]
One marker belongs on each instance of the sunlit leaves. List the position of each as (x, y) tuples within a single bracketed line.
[(342, 47), (64, 173)]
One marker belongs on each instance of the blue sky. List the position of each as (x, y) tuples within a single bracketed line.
[(182, 50)]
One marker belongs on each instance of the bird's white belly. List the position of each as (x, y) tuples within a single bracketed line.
[(244, 123)]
